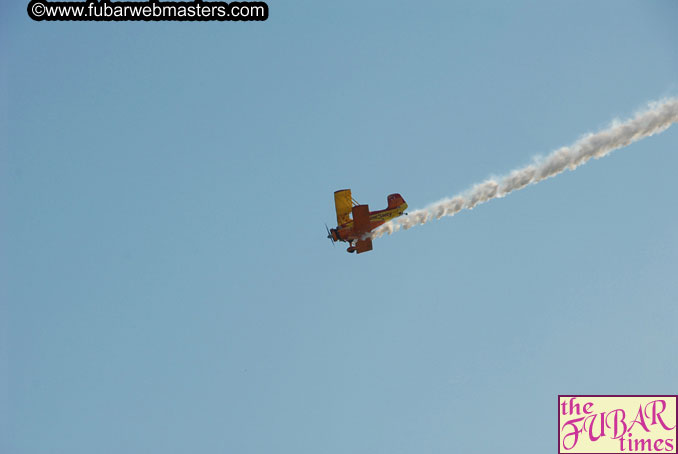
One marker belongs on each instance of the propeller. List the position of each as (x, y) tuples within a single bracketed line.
[(329, 235)]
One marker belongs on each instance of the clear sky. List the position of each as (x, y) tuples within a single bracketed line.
[(166, 282)]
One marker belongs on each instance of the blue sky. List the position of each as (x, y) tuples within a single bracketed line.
[(167, 285)]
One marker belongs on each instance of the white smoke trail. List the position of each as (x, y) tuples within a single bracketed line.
[(656, 118)]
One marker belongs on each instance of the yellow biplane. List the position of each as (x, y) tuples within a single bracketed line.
[(354, 221)]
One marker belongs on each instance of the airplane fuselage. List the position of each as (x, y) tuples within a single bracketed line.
[(346, 232)]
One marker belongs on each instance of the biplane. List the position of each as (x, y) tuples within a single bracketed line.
[(354, 221)]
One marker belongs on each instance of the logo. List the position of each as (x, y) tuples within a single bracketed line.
[(617, 424)]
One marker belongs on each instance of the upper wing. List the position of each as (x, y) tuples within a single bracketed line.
[(343, 204)]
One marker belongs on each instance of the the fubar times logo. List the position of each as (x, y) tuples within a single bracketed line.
[(617, 424)]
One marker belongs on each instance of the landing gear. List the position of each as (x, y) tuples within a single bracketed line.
[(351, 249)]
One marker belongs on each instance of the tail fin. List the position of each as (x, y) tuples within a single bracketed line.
[(395, 200)]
